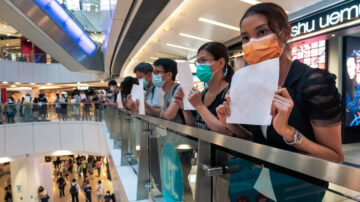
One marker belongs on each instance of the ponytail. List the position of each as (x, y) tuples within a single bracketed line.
[(228, 73)]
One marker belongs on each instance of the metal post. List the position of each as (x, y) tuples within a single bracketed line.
[(203, 182), (143, 174)]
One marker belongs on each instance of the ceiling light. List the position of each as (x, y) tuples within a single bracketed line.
[(5, 82), (181, 47), (5, 159), (78, 83), (219, 24), (49, 83), (333, 35), (194, 37), (13, 86), (5, 26), (252, 2), (102, 81), (17, 83), (32, 83), (9, 34), (154, 58), (7, 44)]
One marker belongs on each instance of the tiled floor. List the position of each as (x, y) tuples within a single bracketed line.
[(93, 181)]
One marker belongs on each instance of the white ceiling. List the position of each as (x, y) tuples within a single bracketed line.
[(185, 20)]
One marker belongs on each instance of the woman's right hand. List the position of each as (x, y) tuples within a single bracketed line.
[(223, 110), (179, 96)]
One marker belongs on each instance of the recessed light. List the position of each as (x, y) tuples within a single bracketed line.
[(102, 81), (32, 83), (194, 37), (252, 2), (9, 34), (333, 35), (154, 58), (180, 47), (7, 44), (78, 83), (220, 24), (13, 86), (28, 40), (17, 83), (49, 83), (5, 82), (5, 26)]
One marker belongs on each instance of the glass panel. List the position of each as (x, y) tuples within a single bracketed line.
[(250, 180), (172, 166)]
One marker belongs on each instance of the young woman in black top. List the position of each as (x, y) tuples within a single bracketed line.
[(306, 108), (213, 69)]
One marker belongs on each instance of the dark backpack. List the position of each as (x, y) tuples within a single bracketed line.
[(73, 189)]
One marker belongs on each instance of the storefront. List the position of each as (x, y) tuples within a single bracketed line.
[(330, 39)]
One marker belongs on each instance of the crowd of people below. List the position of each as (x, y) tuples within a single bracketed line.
[(305, 110)]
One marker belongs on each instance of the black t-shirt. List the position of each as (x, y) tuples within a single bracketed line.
[(220, 98), (316, 101), (96, 101), (61, 182)]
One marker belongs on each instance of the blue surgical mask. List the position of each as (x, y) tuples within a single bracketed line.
[(157, 80), (203, 72), (145, 83)]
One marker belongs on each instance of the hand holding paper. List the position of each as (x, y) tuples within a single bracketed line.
[(186, 82), (252, 91)]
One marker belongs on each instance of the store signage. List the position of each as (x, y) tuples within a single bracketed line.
[(83, 87), (340, 14)]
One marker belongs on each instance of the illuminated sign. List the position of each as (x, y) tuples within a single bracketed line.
[(83, 87), (340, 14)]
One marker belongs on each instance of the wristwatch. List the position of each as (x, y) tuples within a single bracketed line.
[(297, 138)]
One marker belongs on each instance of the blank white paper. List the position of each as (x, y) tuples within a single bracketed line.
[(186, 82), (252, 91)]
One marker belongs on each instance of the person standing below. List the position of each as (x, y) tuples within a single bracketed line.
[(63, 109), (44, 197), (76, 105), (42, 106), (107, 197), (98, 167), (116, 93), (58, 106), (86, 107), (87, 191), (61, 183), (8, 195), (98, 106), (27, 108), (74, 191), (100, 191), (10, 109)]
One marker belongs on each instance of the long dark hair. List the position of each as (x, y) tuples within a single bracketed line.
[(218, 50), (275, 15)]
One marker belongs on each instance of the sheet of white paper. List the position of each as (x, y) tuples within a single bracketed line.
[(82, 96), (263, 184), (186, 82), (137, 93), (72, 101), (119, 101), (252, 91), (134, 92), (141, 95), (27, 99)]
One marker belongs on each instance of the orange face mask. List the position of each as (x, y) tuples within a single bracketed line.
[(259, 50)]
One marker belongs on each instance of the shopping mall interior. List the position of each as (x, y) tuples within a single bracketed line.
[(179, 100)]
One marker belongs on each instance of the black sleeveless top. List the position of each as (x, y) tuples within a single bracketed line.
[(220, 98)]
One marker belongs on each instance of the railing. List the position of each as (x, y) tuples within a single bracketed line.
[(174, 162), (33, 58)]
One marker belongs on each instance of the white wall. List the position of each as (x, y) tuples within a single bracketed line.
[(47, 137), (25, 72)]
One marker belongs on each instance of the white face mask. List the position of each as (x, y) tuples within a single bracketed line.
[(112, 88)]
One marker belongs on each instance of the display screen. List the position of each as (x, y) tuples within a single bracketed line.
[(312, 54), (352, 81)]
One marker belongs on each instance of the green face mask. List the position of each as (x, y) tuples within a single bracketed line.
[(146, 84), (203, 72)]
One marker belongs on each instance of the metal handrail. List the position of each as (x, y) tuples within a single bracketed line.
[(335, 173)]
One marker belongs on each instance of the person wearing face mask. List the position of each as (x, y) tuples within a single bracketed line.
[(27, 108), (165, 71), (143, 72), (97, 99), (116, 94), (10, 109), (213, 69), (306, 109)]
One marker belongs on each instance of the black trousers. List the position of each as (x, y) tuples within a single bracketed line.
[(75, 197), (62, 193)]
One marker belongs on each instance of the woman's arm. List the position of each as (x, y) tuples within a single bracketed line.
[(329, 146), (188, 116)]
